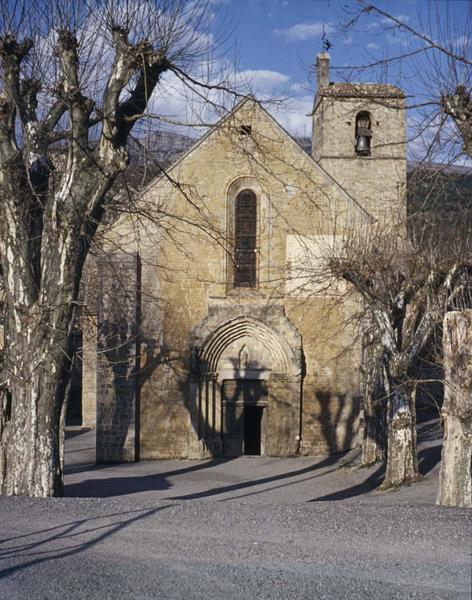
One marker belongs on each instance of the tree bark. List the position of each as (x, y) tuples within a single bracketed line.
[(374, 402), (5, 417), (402, 463), (31, 460), (459, 107), (455, 485), (30, 453)]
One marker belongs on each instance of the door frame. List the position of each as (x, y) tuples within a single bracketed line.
[(262, 402)]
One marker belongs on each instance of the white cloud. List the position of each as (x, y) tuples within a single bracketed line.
[(372, 46), (401, 18), (292, 101), (374, 26), (175, 101), (304, 31), (462, 41), (293, 115), (397, 38), (435, 140), (299, 87), (261, 81)]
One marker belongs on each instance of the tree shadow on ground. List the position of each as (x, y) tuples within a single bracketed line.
[(127, 484), (286, 477), (311, 477), (368, 485), (72, 433), (67, 539), (428, 458)]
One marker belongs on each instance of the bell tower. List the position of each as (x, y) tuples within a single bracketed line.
[(359, 139)]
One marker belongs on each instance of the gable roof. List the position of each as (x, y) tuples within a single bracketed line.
[(317, 167)]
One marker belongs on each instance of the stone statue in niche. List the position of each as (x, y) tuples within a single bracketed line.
[(243, 358)]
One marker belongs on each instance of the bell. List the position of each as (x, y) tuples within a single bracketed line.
[(362, 145)]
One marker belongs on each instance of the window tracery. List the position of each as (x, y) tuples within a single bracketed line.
[(245, 239)]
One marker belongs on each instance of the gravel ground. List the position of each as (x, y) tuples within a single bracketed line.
[(252, 528)]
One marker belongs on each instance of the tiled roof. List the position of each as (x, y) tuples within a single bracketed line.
[(361, 90)]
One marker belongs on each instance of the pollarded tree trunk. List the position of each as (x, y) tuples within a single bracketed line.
[(49, 213), (402, 463), (455, 485), (31, 461), (37, 376), (39, 310), (374, 401)]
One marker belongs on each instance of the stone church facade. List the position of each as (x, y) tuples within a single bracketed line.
[(218, 332)]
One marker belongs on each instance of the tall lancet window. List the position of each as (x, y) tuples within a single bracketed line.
[(245, 240)]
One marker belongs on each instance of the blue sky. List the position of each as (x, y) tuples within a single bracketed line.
[(285, 35), (274, 44)]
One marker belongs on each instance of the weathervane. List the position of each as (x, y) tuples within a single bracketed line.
[(325, 43)]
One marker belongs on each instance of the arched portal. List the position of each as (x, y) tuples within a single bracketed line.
[(247, 393)]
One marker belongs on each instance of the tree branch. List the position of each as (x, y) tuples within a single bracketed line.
[(422, 36), (79, 106), (459, 107), (119, 118), (11, 55)]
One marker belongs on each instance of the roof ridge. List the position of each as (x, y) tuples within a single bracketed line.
[(380, 89)]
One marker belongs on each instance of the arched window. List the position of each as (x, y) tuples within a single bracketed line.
[(363, 133), (245, 239)]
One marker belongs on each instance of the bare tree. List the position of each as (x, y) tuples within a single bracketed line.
[(408, 279), (455, 484), (407, 276), (374, 397), (76, 78), (432, 61)]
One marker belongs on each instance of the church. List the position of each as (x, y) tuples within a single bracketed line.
[(216, 332)]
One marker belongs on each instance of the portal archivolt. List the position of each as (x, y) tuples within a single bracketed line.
[(266, 350), (247, 393)]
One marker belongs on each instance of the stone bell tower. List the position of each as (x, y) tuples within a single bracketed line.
[(359, 139)]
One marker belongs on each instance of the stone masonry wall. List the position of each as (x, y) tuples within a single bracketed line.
[(89, 370), (118, 362), (377, 181), (192, 275)]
